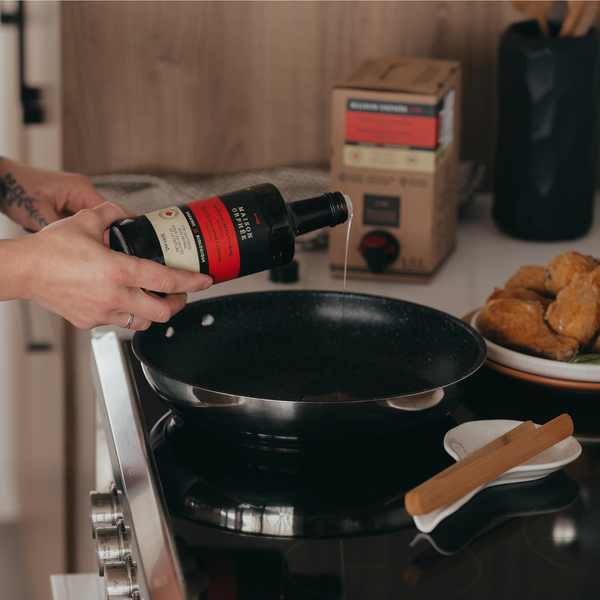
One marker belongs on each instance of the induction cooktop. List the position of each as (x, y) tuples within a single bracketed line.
[(254, 524)]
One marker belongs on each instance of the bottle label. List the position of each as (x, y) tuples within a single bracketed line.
[(225, 237)]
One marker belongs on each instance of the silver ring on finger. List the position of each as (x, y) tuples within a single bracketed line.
[(129, 321)]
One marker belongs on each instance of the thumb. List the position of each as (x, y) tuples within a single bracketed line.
[(96, 221), (109, 212)]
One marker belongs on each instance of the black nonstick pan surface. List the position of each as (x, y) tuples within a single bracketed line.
[(276, 369)]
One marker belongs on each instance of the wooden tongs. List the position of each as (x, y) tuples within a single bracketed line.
[(492, 460)]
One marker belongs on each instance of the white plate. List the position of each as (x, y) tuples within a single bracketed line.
[(543, 367), (468, 437)]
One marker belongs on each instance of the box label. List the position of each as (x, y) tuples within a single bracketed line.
[(398, 136), (391, 123), (390, 159)]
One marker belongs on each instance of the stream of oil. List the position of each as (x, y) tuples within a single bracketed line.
[(350, 215), (339, 393)]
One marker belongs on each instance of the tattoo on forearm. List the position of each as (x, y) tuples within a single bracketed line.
[(13, 193)]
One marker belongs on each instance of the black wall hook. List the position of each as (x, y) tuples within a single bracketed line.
[(30, 96)]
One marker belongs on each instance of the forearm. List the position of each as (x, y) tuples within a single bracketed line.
[(16, 197)]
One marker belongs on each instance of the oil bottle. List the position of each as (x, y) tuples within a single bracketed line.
[(230, 235)]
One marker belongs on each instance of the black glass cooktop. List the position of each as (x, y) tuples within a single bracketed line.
[(334, 525)]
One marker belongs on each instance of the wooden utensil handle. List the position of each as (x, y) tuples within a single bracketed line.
[(506, 438), (439, 491)]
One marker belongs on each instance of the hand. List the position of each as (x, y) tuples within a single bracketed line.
[(34, 197), (66, 268)]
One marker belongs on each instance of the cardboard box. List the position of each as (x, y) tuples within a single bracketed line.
[(395, 152)]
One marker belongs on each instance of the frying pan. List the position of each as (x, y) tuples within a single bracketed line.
[(281, 370)]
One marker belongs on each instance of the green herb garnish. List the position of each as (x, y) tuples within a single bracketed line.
[(586, 359)]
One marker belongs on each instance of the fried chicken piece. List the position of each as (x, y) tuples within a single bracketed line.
[(529, 277), (561, 270), (520, 293), (576, 311), (520, 325)]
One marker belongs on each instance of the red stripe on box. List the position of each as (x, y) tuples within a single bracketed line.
[(397, 130)]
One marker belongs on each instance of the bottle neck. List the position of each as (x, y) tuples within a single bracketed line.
[(327, 210)]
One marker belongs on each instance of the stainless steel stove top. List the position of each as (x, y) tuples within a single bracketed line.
[(202, 517)]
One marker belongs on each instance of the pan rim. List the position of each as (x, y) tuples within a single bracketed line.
[(474, 334)]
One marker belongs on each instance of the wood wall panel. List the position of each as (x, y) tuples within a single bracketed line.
[(212, 87)]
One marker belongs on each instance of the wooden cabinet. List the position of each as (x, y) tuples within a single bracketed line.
[(212, 87)]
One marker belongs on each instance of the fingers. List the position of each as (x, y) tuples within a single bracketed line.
[(132, 322), (84, 194), (129, 321), (149, 308), (146, 274), (158, 278)]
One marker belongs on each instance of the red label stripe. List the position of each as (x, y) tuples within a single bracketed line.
[(220, 238)]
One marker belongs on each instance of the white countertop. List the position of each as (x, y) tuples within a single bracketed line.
[(484, 258)]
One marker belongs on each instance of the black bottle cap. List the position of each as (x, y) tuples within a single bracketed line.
[(285, 274), (340, 206)]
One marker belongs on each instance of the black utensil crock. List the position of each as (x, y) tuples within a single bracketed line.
[(548, 92)]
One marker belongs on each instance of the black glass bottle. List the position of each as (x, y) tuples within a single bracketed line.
[(230, 235)]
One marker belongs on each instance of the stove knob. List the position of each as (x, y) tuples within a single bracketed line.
[(105, 509), (100, 510), (120, 580), (113, 544)]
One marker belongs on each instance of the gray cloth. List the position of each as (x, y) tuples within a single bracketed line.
[(147, 193)]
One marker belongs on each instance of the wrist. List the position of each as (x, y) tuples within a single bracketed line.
[(22, 198), (7, 181), (13, 273)]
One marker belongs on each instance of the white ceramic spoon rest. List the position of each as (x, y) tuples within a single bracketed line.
[(468, 437)]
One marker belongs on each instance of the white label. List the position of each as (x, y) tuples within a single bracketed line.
[(176, 239)]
